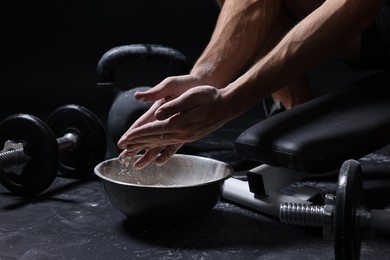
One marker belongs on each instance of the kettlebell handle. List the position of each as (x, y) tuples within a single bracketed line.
[(106, 68)]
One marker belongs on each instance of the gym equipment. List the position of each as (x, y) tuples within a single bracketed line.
[(185, 187), (33, 148), (320, 135), (85, 142), (31, 156), (124, 112), (342, 216), (315, 139), (125, 109)]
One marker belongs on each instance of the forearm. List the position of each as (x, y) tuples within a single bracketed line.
[(309, 43), (239, 32)]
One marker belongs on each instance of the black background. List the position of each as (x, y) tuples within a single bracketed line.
[(52, 47)]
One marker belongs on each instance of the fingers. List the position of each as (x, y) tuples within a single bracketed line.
[(125, 155), (180, 120), (180, 104), (147, 158), (154, 128), (160, 91), (160, 133), (159, 155), (145, 118), (169, 88), (133, 146), (150, 95), (167, 153)]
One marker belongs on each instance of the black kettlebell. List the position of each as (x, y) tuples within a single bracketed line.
[(124, 112), (125, 109)]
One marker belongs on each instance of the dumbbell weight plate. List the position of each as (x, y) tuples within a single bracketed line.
[(91, 146), (349, 198), (40, 144)]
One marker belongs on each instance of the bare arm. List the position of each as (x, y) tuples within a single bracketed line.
[(241, 28), (193, 113), (309, 43)]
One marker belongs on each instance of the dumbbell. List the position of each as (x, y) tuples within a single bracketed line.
[(125, 109), (343, 216), (72, 142)]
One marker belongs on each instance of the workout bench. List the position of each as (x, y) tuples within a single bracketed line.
[(327, 135)]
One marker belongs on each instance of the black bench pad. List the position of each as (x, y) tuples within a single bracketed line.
[(321, 134)]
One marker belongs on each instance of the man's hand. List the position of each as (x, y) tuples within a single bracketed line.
[(168, 89), (185, 118)]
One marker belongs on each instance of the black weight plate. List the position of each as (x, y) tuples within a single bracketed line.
[(90, 149), (349, 197), (40, 144)]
